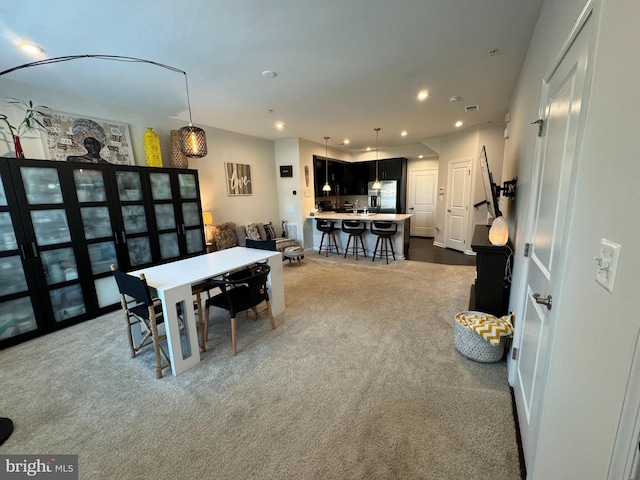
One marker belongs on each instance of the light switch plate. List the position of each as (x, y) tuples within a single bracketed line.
[(607, 261)]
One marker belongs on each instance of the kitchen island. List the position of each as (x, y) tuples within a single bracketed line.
[(400, 239)]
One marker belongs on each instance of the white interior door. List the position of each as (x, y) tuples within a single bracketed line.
[(457, 215), (423, 186), (563, 100)]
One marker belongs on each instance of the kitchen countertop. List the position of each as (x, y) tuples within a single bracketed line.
[(394, 217)]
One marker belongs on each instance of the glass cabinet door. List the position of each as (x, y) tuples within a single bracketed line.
[(99, 229), (191, 213), (53, 246), (134, 217), (16, 309), (165, 215)]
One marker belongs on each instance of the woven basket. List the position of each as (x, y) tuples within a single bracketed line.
[(473, 346), (178, 159)]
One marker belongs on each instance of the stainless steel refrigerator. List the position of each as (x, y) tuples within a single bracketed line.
[(384, 200)]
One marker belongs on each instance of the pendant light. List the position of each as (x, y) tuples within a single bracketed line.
[(327, 187), (193, 141), (377, 185)]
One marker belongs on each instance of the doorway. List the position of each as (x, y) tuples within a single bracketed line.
[(423, 186), (457, 215)]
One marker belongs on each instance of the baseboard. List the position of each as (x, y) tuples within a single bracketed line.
[(523, 465), (438, 244)]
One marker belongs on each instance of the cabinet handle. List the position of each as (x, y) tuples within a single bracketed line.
[(34, 249), (115, 238), (124, 238), (184, 230), (23, 251)]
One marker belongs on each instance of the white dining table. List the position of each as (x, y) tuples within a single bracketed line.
[(173, 283)]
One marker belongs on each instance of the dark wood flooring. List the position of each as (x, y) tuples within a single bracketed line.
[(421, 249)]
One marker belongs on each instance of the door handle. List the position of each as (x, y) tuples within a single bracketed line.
[(544, 301), (449, 210)]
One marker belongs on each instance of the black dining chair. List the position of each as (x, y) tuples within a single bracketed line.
[(141, 309), (239, 295)]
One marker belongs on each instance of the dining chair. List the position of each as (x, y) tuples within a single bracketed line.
[(241, 294), (142, 311)]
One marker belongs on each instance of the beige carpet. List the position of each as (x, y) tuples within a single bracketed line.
[(359, 381)]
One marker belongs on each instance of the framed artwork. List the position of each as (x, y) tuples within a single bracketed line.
[(238, 177), (79, 138)]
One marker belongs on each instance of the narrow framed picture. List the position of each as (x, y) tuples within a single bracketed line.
[(238, 176), (286, 170)]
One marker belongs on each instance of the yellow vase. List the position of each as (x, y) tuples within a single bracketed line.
[(152, 148)]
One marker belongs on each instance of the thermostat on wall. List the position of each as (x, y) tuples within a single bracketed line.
[(286, 170)]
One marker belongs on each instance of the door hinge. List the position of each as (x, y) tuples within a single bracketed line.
[(540, 123), (527, 249), (514, 354)]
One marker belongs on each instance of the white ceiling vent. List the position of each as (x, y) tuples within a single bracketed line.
[(472, 108)]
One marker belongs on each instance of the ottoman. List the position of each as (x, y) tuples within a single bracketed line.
[(294, 253)]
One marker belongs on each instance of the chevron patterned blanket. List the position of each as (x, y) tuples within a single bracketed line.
[(489, 327)]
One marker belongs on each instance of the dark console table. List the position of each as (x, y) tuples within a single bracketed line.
[(490, 292)]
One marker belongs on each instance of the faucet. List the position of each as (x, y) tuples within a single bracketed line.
[(355, 210)]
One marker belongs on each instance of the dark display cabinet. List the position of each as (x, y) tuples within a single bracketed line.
[(62, 224), (490, 292)]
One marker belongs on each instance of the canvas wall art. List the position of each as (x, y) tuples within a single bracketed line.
[(84, 139), (238, 177)]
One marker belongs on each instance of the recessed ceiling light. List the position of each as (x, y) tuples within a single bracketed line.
[(459, 124), (368, 149), (280, 125), (404, 133), (269, 74), (31, 48), (420, 156), (346, 141), (423, 95), (454, 98)]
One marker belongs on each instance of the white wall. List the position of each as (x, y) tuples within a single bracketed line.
[(593, 340), (295, 208), (223, 146), (462, 146)]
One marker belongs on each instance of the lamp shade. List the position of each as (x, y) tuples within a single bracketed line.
[(207, 218), (193, 141), (499, 232)]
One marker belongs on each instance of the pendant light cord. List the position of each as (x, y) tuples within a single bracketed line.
[(117, 58)]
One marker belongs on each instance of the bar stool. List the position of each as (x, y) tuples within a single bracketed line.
[(384, 231), (355, 229), (328, 228)]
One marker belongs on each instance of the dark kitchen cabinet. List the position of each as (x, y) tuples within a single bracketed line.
[(388, 169), (62, 224)]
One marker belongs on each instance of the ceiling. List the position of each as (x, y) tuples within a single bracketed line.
[(343, 67)]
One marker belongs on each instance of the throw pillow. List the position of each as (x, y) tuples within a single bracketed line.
[(252, 232), (225, 236), (241, 233), (263, 234), (270, 231)]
